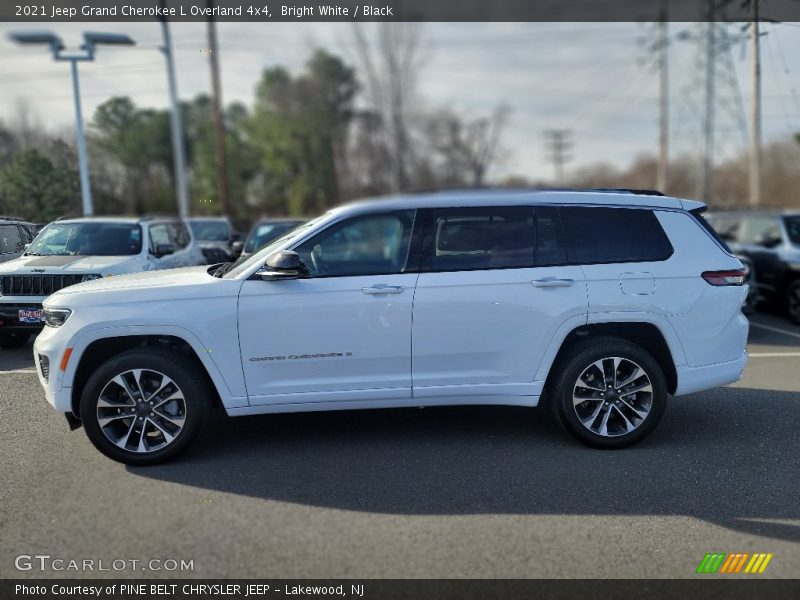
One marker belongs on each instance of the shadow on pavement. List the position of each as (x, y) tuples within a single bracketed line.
[(728, 457)]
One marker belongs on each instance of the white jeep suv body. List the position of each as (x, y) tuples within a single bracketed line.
[(600, 303), (71, 251)]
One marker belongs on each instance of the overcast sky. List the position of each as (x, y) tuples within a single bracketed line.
[(586, 77)]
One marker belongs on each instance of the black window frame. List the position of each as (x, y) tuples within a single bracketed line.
[(573, 259), (412, 259)]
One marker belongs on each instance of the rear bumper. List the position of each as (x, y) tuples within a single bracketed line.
[(696, 379)]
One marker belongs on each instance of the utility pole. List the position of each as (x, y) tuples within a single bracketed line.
[(559, 144), (755, 125), (219, 125), (176, 123), (705, 183), (663, 121)]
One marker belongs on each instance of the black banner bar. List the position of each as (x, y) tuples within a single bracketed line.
[(257, 11), (722, 588)]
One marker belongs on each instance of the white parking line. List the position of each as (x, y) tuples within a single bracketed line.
[(775, 329), (772, 354), (17, 371)]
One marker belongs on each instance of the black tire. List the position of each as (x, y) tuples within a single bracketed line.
[(792, 302), (186, 375), (577, 358), (14, 339)]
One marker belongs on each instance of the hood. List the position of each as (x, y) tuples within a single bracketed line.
[(224, 245), (168, 285), (66, 264)]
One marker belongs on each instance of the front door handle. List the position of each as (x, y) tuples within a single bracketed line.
[(551, 282), (383, 289)]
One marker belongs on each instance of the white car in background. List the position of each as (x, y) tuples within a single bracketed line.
[(72, 251)]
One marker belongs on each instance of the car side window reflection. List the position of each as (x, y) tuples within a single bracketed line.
[(370, 245)]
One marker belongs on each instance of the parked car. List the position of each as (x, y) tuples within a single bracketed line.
[(771, 241), (750, 303), (15, 234), (598, 304), (266, 231), (217, 239), (72, 251)]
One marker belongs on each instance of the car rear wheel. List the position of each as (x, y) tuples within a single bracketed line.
[(144, 406), (793, 302), (13, 339), (610, 393)]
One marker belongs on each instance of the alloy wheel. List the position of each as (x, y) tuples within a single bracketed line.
[(141, 410), (612, 396)]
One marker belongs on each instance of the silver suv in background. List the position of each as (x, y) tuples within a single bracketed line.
[(72, 251), (217, 239)]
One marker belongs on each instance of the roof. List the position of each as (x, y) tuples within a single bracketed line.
[(505, 197), (131, 220)]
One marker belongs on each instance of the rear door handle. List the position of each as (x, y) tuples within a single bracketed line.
[(383, 289), (551, 282)]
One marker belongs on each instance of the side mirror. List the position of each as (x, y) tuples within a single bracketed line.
[(164, 250), (285, 264), (237, 247)]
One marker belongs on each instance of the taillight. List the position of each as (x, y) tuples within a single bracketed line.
[(725, 277)]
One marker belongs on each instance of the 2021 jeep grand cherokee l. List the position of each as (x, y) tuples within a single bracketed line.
[(601, 304)]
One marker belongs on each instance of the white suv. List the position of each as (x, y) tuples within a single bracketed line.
[(600, 304), (71, 251)]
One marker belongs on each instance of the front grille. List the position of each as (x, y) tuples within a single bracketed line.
[(36, 285), (44, 366)]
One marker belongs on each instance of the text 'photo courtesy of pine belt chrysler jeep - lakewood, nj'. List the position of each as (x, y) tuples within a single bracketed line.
[(598, 304)]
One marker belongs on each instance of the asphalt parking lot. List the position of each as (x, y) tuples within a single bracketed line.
[(451, 492)]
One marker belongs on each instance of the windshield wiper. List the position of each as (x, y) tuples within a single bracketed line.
[(222, 269)]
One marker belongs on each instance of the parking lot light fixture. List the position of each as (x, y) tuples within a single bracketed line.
[(91, 40)]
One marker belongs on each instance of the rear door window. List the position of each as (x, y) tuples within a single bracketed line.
[(597, 235), (466, 239)]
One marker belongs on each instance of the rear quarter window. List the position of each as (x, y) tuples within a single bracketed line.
[(598, 235)]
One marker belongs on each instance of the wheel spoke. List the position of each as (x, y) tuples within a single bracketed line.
[(173, 396), (644, 387), (104, 403), (168, 437), (582, 384), (599, 366), (178, 421), (103, 421), (165, 381), (637, 372), (638, 412), (629, 426), (120, 381), (604, 422), (123, 442)]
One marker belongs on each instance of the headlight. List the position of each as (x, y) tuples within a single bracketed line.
[(55, 317), (90, 277)]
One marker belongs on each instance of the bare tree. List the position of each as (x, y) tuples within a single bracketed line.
[(390, 61)]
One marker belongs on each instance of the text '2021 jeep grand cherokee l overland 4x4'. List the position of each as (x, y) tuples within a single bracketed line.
[(602, 304)]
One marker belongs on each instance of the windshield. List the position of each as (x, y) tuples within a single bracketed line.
[(793, 228), (245, 262), (210, 231), (87, 239), (267, 232)]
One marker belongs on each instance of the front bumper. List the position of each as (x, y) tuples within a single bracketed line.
[(51, 345), (9, 316)]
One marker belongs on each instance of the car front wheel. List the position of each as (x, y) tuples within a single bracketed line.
[(610, 393), (144, 406)]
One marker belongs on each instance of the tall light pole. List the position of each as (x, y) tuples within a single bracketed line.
[(755, 141), (91, 40), (663, 103), (176, 122)]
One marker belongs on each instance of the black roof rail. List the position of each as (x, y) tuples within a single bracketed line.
[(543, 189), (12, 218)]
